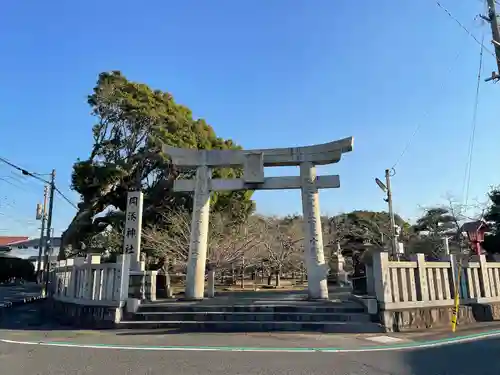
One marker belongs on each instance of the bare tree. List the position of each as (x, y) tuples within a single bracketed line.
[(171, 239), (283, 247), (168, 243), (442, 221), (228, 241)]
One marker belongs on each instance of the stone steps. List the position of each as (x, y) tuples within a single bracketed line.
[(245, 316), (325, 308), (255, 326), (255, 312), (252, 315)]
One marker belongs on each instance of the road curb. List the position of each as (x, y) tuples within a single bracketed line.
[(373, 348)]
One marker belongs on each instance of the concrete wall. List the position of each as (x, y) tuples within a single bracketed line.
[(418, 294), (83, 316), (437, 317)]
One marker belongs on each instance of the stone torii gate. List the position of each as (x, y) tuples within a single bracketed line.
[(253, 162)]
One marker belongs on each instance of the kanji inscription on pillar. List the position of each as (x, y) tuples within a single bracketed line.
[(133, 226)]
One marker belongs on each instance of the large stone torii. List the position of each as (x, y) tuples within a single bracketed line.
[(253, 162)]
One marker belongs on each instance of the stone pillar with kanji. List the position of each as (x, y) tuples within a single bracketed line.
[(133, 229)]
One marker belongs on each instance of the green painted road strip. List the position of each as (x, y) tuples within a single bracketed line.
[(407, 346)]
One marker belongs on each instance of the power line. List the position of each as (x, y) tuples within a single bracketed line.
[(9, 182), (426, 114), (6, 203), (483, 48), (16, 182), (24, 171), (36, 176), (468, 167), (464, 28), (26, 223), (65, 198)]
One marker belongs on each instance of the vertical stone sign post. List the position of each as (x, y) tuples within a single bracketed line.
[(253, 163), (133, 229)]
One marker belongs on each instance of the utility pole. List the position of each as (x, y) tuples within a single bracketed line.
[(386, 188), (394, 238), (495, 32), (43, 217), (48, 242)]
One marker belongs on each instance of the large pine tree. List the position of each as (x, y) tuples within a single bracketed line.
[(133, 121)]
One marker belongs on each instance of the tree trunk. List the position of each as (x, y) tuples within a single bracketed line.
[(233, 274), (277, 281), (270, 279)]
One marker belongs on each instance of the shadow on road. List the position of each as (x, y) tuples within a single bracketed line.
[(29, 317), (15, 292), (474, 358)]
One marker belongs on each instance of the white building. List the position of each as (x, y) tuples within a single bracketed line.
[(29, 249), (34, 260)]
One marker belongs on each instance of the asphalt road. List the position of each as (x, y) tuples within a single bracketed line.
[(26, 324), (11, 293), (475, 358)]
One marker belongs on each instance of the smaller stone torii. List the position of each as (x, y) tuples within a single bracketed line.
[(253, 162)]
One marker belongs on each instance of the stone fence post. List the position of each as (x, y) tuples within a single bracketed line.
[(79, 276), (381, 278), (484, 280), (421, 277), (150, 285), (370, 282), (90, 259), (211, 280)]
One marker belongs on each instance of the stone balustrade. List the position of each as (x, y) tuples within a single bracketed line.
[(86, 280), (421, 293)]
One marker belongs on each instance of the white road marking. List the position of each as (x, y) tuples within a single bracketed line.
[(384, 339), (422, 345)]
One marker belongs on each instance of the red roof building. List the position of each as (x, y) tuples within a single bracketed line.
[(9, 240)]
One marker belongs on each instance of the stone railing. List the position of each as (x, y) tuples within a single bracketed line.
[(87, 281), (143, 284), (421, 284)]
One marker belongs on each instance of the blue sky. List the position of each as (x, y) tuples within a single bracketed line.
[(267, 73)]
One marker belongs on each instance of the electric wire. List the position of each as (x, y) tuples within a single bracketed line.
[(463, 27), (65, 197), (5, 203), (20, 184), (425, 115), (36, 176), (468, 167), (23, 223), (9, 182), (23, 171)]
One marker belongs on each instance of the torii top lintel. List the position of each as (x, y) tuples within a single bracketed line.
[(326, 153)]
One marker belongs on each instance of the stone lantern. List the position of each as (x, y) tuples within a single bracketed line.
[(337, 262)]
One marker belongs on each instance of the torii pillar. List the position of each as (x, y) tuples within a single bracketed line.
[(253, 162)]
